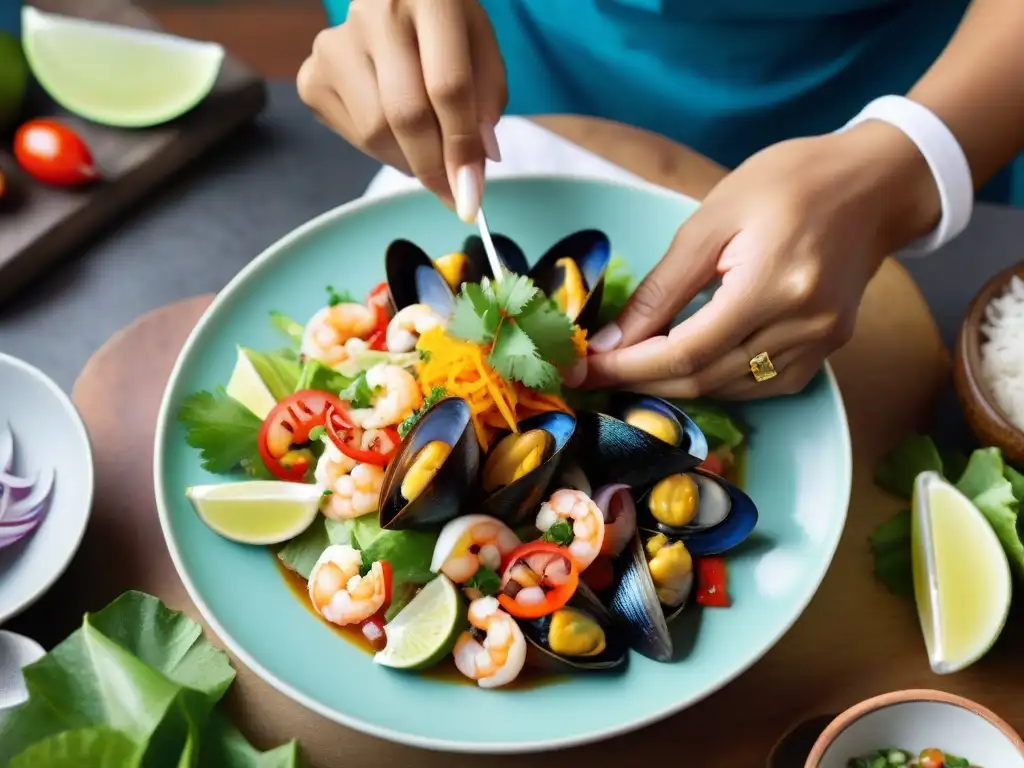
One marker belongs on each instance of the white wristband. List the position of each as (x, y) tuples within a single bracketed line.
[(945, 158)]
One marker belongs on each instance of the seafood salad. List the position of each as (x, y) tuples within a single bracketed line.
[(422, 472)]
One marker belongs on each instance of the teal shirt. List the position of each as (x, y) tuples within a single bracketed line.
[(724, 77)]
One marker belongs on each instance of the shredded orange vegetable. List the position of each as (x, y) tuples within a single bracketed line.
[(461, 368)]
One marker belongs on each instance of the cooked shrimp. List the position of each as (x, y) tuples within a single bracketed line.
[(354, 494), (408, 325), (471, 541), (500, 658), (325, 334), (339, 593), (587, 523), (396, 396)]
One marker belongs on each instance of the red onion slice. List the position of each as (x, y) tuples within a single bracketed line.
[(616, 504), (6, 450), (38, 497), (23, 500)]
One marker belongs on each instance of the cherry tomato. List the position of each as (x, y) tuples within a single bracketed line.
[(712, 464), (536, 557), (379, 301), (711, 583), (347, 439), (52, 153), (931, 758), (286, 429)]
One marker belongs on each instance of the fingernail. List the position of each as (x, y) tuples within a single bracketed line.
[(490, 142), (467, 192), (576, 374), (606, 339)]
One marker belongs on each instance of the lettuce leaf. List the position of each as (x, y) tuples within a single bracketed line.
[(301, 553), (136, 685), (279, 370)]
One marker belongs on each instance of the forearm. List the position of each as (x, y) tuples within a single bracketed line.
[(977, 85)]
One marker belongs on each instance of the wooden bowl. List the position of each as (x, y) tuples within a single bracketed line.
[(916, 720), (990, 424)]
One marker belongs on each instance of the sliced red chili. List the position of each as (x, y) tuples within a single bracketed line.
[(385, 568), (286, 430), (538, 579), (373, 630), (711, 583), (378, 300), (348, 439)]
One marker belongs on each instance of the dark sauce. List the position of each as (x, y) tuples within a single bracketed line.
[(445, 672)]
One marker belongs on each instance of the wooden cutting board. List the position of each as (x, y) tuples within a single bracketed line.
[(41, 224)]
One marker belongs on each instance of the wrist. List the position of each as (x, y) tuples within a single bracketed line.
[(894, 183)]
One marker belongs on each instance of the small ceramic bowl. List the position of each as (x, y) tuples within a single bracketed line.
[(915, 720), (48, 432), (988, 422)]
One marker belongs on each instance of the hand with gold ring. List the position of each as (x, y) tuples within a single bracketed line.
[(795, 234)]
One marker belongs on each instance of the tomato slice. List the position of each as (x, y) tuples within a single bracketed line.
[(348, 438), (286, 429), (378, 300), (711, 584), (538, 579)]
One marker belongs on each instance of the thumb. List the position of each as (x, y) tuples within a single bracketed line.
[(681, 274)]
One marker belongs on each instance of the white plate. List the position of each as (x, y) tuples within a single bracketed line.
[(47, 432)]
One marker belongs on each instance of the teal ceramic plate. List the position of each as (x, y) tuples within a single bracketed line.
[(798, 473)]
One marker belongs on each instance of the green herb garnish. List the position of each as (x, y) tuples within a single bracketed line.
[(224, 431), (485, 581), (334, 298), (287, 326), (560, 533), (436, 394), (359, 393)]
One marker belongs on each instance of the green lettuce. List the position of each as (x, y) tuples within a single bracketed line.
[(618, 287), (279, 370), (136, 685)]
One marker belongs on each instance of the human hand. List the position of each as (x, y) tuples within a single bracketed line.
[(796, 232), (417, 84)]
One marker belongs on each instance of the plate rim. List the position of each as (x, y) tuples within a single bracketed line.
[(164, 419), (87, 494)]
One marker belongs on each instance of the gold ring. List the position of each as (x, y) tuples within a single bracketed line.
[(762, 368)]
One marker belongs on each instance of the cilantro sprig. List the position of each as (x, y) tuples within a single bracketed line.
[(527, 335), (437, 393), (224, 431)]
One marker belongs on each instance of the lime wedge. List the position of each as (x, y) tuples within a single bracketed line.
[(425, 631), (247, 387), (117, 75), (961, 575), (257, 512)]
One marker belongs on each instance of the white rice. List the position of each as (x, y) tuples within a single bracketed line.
[(1002, 354)]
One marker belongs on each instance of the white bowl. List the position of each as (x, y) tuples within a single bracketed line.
[(47, 432), (915, 720)]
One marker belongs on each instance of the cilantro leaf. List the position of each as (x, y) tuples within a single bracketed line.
[(359, 393), (514, 357), (476, 315), (985, 483), (223, 430), (334, 298), (287, 326), (559, 533), (550, 330), (897, 470), (280, 371), (485, 581), (890, 547), (514, 292), (437, 393)]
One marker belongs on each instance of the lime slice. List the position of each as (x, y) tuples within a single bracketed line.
[(961, 575), (425, 631), (117, 75), (257, 512), (247, 387)]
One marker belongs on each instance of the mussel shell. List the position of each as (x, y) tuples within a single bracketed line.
[(614, 656), (478, 265), (617, 452), (414, 279), (449, 492), (591, 250), (635, 605), (702, 537), (517, 501)]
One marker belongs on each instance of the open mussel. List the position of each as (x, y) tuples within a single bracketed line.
[(706, 511), (430, 481), (654, 582), (414, 279), (520, 466), (638, 440), (580, 636), (477, 266)]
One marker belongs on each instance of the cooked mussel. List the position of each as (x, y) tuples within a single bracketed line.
[(414, 279), (639, 440), (709, 513), (654, 582), (581, 636), (430, 480), (521, 466), (572, 273), (478, 266)]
